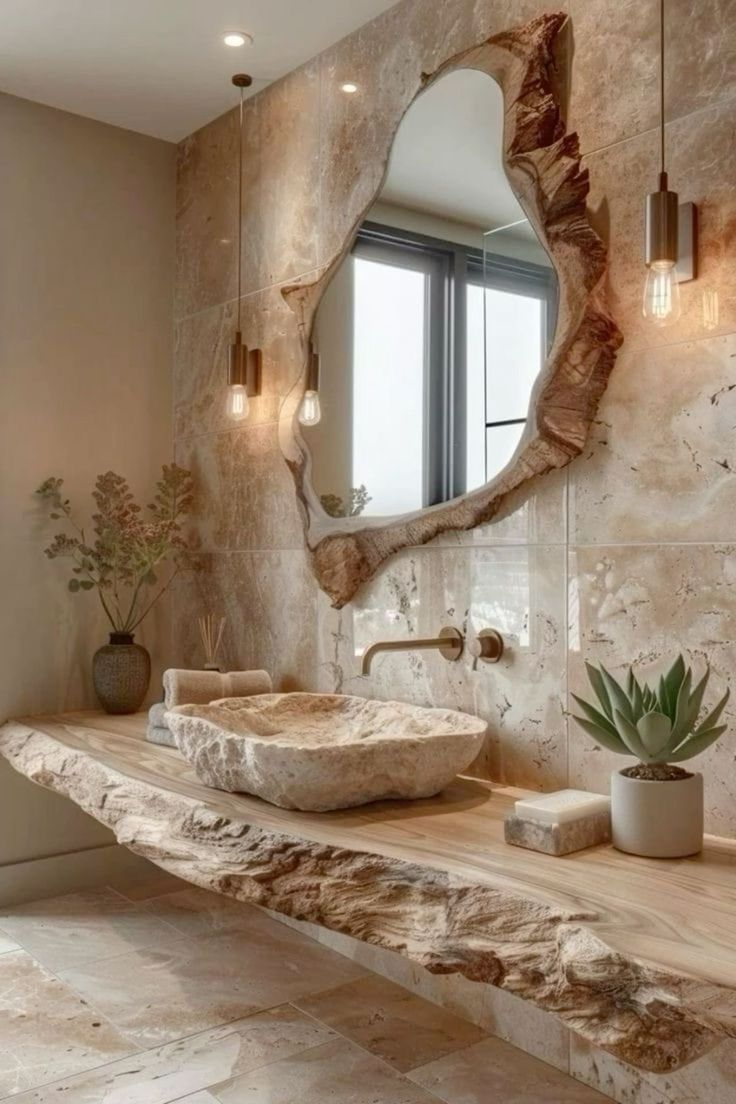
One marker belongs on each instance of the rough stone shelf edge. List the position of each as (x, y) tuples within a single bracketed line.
[(650, 1018)]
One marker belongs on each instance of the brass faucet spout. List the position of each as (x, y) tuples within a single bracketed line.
[(449, 644)]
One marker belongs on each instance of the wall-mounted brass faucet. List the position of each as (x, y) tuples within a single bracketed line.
[(449, 644), (486, 646)]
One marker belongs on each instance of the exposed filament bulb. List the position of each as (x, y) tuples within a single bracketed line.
[(310, 411)]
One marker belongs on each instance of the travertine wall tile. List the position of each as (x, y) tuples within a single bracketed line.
[(201, 359), (207, 214), (661, 462), (386, 60), (534, 515), (658, 469), (285, 240), (643, 605), (615, 80), (700, 58), (701, 158), (243, 489), (269, 600), (519, 591), (605, 108)]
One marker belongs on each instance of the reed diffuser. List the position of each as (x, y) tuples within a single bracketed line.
[(211, 629)]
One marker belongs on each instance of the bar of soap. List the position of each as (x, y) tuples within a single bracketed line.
[(559, 823), (563, 806)]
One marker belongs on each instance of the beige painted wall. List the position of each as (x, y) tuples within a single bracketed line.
[(86, 225)]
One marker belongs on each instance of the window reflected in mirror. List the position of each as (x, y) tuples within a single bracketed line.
[(435, 326)]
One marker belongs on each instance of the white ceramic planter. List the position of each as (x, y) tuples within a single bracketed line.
[(659, 820)]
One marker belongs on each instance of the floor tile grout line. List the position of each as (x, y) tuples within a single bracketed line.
[(354, 1042), (294, 1006), (135, 1051), (489, 1035), (136, 1054), (142, 1051), (136, 1044), (123, 954), (93, 1008), (104, 958), (181, 937), (272, 1062), (460, 1050), (160, 896)]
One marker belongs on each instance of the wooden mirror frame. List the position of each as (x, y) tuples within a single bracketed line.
[(543, 165)]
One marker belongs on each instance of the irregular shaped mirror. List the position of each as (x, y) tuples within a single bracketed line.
[(436, 324), (443, 388)]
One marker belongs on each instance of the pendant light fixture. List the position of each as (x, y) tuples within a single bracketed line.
[(244, 368), (310, 412), (670, 230)]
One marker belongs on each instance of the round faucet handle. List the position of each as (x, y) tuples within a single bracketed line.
[(487, 645), (452, 648)]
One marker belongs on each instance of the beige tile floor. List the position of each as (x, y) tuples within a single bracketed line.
[(170, 994)]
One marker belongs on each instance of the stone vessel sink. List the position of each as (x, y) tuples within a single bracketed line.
[(324, 751)]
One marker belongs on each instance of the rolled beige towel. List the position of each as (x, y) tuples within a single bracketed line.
[(202, 687)]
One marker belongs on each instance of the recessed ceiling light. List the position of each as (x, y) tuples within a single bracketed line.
[(349, 87), (237, 38)]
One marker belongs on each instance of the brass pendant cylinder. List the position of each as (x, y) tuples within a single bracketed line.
[(237, 366), (313, 372), (244, 366), (661, 225)]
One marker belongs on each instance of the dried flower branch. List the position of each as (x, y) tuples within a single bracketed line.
[(121, 560), (358, 499)]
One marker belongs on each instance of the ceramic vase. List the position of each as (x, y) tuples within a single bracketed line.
[(121, 671), (659, 820)]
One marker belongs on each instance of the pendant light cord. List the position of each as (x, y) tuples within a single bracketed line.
[(240, 203), (661, 83)]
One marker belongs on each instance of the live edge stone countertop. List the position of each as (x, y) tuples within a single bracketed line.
[(637, 956)]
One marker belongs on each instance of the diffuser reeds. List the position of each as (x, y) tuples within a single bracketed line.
[(211, 629)]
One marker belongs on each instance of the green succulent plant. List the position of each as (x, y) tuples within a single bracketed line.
[(657, 726)]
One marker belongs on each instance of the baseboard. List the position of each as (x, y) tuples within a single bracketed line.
[(58, 874)]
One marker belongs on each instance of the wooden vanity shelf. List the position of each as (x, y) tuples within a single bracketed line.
[(637, 956)]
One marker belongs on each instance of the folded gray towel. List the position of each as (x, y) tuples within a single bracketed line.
[(159, 734), (156, 715), (202, 687)]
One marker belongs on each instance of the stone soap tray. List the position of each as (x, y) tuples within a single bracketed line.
[(559, 823)]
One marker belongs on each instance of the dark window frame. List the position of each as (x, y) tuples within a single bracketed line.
[(451, 267)]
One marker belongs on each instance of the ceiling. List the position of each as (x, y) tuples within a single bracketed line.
[(447, 157), (160, 66)]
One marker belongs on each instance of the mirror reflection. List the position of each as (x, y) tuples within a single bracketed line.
[(435, 326)]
